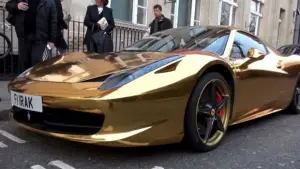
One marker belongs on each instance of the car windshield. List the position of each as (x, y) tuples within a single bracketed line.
[(187, 37), (157, 42)]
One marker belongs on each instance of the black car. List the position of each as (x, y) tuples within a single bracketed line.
[(290, 49)]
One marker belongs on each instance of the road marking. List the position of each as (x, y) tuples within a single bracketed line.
[(60, 164), (37, 167), (12, 137), (2, 145), (158, 167)]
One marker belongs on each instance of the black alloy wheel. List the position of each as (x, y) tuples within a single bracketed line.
[(208, 113)]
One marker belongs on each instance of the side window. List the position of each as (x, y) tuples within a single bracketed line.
[(243, 42)]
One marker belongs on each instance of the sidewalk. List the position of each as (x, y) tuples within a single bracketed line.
[(5, 102)]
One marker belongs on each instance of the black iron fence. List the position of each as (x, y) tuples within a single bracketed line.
[(123, 35)]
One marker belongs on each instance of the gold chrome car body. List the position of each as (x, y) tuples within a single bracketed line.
[(150, 110)]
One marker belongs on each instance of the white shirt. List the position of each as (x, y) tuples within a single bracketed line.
[(100, 9)]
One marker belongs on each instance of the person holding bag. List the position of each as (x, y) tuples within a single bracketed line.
[(100, 23)]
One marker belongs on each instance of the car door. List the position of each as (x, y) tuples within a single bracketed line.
[(258, 88)]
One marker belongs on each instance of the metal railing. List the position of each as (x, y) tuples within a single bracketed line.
[(123, 35)]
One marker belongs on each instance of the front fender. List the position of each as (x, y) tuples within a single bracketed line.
[(214, 65)]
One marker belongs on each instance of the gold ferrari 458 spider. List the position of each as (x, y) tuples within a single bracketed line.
[(186, 83)]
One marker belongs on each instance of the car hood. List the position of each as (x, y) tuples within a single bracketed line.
[(80, 66)]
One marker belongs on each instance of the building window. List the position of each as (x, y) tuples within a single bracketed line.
[(189, 12), (227, 12), (280, 21), (195, 13), (134, 11), (139, 13), (174, 13), (255, 16), (124, 13)]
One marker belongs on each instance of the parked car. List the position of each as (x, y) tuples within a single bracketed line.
[(186, 83), (287, 50)]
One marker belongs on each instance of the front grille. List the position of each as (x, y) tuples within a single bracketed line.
[(60, 120)]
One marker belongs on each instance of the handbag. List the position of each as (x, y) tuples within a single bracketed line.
[(95, 37)]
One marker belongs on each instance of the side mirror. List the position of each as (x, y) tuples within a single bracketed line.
[(255, 53)]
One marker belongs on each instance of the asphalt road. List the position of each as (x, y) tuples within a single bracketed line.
[(268, 143)]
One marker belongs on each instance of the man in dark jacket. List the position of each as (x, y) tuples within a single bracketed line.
[(160, 22), (36, 27), (60, 42)]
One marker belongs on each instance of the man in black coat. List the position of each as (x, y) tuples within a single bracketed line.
[(36, 27), (160, 22), (60, 42)]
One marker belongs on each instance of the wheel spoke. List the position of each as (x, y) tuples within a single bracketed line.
[(210, 123), (205, 110), (222, 103), (213, 93), (220, 125)]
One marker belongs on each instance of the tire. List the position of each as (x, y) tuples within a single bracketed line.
[(9, 46), (196, 111), (294, 107)]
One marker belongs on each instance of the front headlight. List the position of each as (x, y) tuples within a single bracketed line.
[(125, 77), (26, 72)]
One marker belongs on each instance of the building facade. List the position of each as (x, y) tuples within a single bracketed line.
[(275, 21), (271, 20)]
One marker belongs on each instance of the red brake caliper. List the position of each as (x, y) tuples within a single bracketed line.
[(219, 99)]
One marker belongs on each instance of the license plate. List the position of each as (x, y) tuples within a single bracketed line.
[(27, 102)]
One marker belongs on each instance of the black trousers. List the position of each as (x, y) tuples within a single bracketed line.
[(30, 52), (91, 47)]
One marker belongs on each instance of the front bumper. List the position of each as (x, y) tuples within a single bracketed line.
[(134, 121), (113, 140)]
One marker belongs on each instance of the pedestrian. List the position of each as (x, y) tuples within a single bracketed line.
[(35, 22), (100, 23), (160, 22), (60, 42)]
